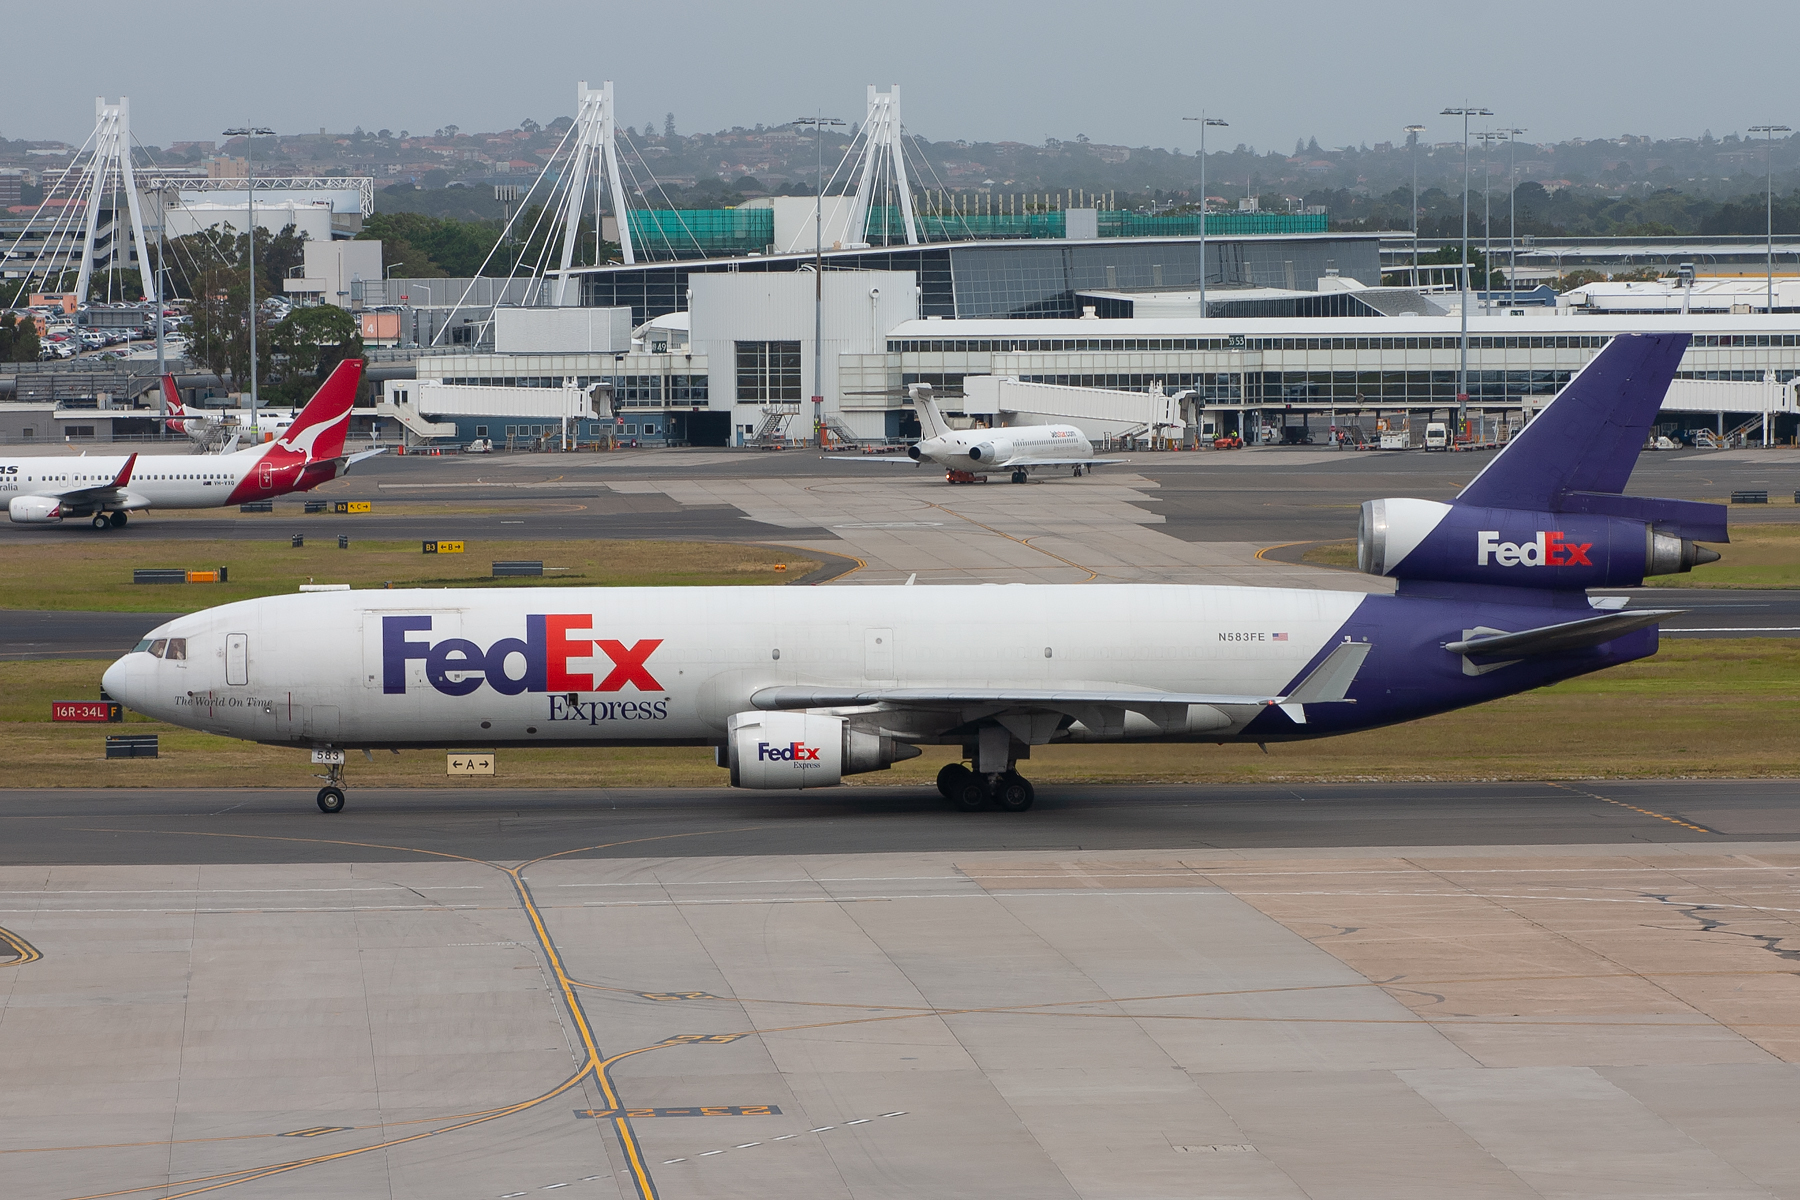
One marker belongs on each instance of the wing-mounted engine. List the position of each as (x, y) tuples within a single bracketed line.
[(778, 750), (35, 510)]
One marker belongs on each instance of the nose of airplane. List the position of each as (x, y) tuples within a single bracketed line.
[(117, 682)]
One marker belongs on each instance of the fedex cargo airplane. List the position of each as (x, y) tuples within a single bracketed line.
[(970, 454), (47, 491), (798, 689)]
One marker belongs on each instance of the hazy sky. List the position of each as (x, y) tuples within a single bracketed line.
[(1123, 71)]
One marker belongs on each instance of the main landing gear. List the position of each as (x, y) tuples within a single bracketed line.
[(971, 792), (110, 520), (1020, 476)]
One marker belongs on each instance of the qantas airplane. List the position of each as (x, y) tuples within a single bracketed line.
[(46, 491), (206, 428), (970, 454), (799, 688)]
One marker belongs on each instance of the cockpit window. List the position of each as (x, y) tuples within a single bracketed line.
[(142, 647), (157, 647), (177, 649)]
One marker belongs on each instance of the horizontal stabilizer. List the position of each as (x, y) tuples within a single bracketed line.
[(1558, 639)]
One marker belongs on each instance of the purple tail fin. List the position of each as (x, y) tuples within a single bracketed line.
[(1587, 439)]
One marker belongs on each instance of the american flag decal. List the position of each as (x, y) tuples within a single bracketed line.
[(1280, 637)]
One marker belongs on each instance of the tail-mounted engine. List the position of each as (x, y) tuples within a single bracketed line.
[(770, 750), (1457, 543), (992, 452)]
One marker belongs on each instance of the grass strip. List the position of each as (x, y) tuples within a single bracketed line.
[(95, 572)]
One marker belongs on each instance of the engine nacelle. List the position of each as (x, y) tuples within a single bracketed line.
[(1453, 543), (35, 510), (771, 750), (992, 452)]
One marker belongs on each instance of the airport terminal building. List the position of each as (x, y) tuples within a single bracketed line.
[(728, 351)]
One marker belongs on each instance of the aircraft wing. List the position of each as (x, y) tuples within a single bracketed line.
[(1327, 683), (957, 697), (1059, 462), (96, 496)]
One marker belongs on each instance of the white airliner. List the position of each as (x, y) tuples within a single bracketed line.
[(1015, 450), (47, 491)]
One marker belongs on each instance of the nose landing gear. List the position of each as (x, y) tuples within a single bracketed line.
[(331, 796)]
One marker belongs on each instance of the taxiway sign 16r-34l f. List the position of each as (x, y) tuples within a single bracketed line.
[(47, 491), (797, 688), (1016, 451)]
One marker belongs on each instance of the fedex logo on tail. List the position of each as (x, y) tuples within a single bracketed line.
[(1548, 549), (794, 752), (538, 662)]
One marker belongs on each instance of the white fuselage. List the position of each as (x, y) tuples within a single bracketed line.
[(992, 451), (163, 481), (643, 666)]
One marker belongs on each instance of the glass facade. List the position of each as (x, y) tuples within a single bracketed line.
[(628, 390), (663, 234), (768, 371), (1021, 280)]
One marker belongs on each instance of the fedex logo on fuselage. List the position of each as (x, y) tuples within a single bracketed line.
[(542, 656), (795, 752), (1548, 549)]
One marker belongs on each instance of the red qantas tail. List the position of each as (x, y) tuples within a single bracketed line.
[(172, 405), (319, 429)]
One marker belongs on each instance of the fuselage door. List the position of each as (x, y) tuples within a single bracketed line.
[(878, 655), (265, 475), (237, 659)]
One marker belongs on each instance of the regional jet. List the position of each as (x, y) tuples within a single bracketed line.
[(47, 491), (798, 688), (1015, 450)]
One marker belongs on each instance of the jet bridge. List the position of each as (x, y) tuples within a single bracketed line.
[(1101, 414)]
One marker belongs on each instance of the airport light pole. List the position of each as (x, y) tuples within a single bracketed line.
[(1204, 121), (819, 124), (250, 133), (1512, 215), (1462, 371), (1413, 131), (1769, 132)]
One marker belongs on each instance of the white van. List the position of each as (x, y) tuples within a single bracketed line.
[(1436, 436)]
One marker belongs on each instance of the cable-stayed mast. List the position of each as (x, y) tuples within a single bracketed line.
[(883, 159), (594, 155), (112, 153)]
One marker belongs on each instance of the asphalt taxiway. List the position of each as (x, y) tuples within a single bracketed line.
[(1581, 988), (1260, 992)]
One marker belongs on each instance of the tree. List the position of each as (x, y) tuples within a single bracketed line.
[(431, 247), (1580, 277), (18, 338), (669, 125), (310, 342)]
